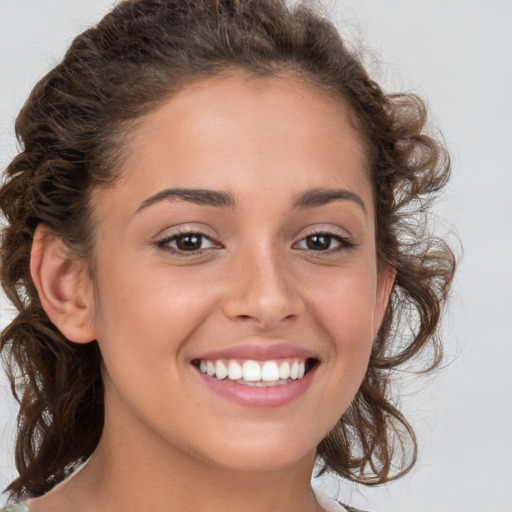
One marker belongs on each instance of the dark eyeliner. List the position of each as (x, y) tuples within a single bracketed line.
[(345, 243), (163, 244)]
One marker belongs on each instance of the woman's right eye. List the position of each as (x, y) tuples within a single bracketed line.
[(191, 243)]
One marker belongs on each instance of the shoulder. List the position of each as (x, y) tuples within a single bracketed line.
[(18, 507)]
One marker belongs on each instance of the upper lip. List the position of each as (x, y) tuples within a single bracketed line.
[(259, 352)]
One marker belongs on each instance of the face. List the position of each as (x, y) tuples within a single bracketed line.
[(237, 288)]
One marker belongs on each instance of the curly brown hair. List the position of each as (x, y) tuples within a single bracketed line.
[(72, 132)]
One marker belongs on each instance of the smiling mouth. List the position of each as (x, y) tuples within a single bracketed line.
[(257, 373)]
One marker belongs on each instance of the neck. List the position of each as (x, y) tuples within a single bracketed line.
[(185, 486), (127, 472)]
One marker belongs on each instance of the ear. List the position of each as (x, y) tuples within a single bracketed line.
[(385, 282), (64, 286)]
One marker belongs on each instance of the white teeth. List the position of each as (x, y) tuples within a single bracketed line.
[(284, 370), (251, 371), (255, 373), (302, 370), (221, 370), (294, 370), (235, 371), (270, 371)]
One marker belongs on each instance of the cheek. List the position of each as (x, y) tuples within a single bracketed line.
[(144, 321), (345, 309), (148, 316), (346, 300)]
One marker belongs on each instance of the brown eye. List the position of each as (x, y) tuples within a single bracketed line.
[(319, 242), (325, 242), (190, 242), (187, 243)]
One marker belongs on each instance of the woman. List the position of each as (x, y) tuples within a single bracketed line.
[(212, 245)]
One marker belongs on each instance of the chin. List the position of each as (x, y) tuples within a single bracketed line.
[(267, 454)]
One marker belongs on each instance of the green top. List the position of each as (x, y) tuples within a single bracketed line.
[(18, 507)]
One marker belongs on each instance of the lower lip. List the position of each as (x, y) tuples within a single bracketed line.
[(252, 396)]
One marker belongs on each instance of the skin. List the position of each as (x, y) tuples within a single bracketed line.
[(263, 141)]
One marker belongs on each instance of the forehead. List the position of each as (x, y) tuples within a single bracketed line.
[(248, 103), (244, 132)]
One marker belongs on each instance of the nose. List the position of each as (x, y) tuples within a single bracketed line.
[(262, 290)]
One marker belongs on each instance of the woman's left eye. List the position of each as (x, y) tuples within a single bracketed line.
[(324, 242), (187, 243)]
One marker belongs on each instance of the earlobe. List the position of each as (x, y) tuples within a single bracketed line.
[(64, 286)]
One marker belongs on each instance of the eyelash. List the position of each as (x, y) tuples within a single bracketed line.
[(345, 243), (164, 243)]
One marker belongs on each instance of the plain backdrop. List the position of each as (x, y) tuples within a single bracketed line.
[(457, 54)]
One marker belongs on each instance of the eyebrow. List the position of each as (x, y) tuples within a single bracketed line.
[(309, 199), (321, 196), (192, 195)]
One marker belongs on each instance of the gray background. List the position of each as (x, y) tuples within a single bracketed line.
[(458, 55)]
